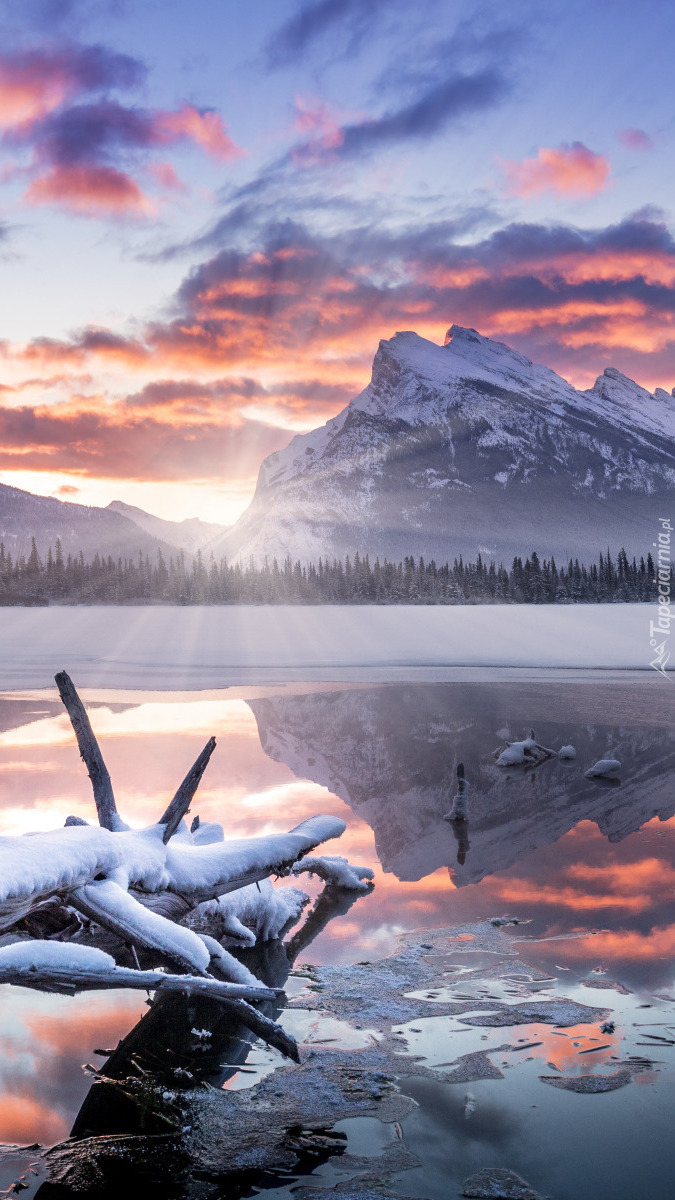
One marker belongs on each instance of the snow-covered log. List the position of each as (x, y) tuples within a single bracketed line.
[(163, 889), (337, 872), (68, 968), (36, 865), (256, 913), (204, 872), (225, 966), (110, 906)]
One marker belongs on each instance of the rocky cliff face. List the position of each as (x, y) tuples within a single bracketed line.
[(468, 447), (391, 754)]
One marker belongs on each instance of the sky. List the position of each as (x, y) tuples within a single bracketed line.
[(211, 213)]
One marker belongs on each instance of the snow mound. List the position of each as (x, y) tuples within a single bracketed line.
[(567, 752), (604, 768), (38, 955)]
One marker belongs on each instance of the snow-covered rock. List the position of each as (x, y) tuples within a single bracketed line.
[(604, 768), (567, 753)]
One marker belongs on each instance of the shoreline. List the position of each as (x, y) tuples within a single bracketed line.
[(193, 649), (304, 684)]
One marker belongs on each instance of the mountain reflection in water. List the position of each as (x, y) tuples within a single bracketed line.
[(543, 844)]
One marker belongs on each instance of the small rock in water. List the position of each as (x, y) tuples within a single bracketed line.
[(567, 752), (496, 1183), (608, 1027)]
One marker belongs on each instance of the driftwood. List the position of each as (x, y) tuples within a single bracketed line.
[(75, 980), (89, 751), (180, 805), (134, 887), (527, 753)]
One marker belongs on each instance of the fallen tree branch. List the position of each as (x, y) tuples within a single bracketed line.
[(89, 751), (69, 982), (69, 968), (180, 805), (336, 872), (263, 1027), (120, 912)]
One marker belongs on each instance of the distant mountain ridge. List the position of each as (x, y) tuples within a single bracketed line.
[(467, 448), (191, 534), (120, 530)]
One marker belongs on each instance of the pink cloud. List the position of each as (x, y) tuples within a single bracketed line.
[(91, 191), (23, 98), (569, 170), (80, 151), (320, 128), (635, 139), (37, 81), (165, 175), (204, 127)]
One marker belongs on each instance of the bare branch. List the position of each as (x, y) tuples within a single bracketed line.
[(89, 751), (73, 979), (180, 804)]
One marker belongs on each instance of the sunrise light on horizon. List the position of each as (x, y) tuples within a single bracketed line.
[(211, 214)]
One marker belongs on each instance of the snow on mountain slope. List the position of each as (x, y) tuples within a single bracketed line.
[(463, 448), (190, 535)]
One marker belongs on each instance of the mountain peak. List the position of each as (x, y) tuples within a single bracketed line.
[(462, 333), (458, 448), (615, 386), (478, 348)]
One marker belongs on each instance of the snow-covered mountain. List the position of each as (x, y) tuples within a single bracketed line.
[(468, 447), (190, 535), (391, 754)]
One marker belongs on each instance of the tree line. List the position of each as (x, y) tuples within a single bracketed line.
[(70, 579)]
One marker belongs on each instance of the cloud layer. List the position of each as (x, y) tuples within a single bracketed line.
[(265, 342), (88, 152)]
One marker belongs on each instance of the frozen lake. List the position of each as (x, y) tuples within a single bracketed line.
[(588, 868), (212, 647)]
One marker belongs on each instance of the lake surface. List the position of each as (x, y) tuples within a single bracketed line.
[(587, 868)]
